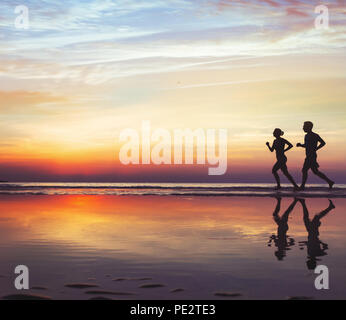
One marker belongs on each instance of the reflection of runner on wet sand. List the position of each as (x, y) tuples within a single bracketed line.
[(315, 247), (282, 241)]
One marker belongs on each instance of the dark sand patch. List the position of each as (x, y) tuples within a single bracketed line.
[(177, 290), (120, 279), (132, 279), (114, 293), (300, 298), (151, 285), (100, 298), (228, 294), (25, 297), (80, 285), (38, 288)]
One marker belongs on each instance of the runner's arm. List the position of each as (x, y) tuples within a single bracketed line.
[(322, 143), (269, 147), (289, 144)]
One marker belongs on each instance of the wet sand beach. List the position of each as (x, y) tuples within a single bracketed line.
[(176, 247)]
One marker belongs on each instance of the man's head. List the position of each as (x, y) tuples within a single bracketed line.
[(308, 125), (311, 264)]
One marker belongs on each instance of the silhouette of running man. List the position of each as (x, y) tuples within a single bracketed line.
[(313, 142), (282, 241), (315, 247), (279, 146)]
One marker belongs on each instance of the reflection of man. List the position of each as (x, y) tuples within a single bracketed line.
[(281, 241), (315, 247), (313, 142)]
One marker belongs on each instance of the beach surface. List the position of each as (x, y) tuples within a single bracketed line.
[(80, 246)]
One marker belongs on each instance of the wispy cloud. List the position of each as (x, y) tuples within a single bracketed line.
[(83, 40), (20, 100), (216, 84)]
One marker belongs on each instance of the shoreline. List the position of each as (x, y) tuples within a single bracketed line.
[(172, 189), (186, 195)]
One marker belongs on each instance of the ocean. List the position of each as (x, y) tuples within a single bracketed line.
[(169, 189)]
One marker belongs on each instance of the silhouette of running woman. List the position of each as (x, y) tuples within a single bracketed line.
[(315, 247), (313, 142), (279, 146), (282, 241)]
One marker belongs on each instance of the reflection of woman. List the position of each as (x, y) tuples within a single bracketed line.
[(281, 164), (281, 241)]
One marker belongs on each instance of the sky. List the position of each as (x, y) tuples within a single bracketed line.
[(85, 70)]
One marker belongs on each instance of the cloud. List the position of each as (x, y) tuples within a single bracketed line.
[(272, 3), (216, 84), (296, 12), (276, 8), (23, 101)]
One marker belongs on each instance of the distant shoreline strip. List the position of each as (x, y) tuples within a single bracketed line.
[(180, 194)]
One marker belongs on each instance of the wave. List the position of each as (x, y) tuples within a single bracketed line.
[(168, 189)]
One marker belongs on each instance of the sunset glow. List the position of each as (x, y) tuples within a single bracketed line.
[(85, 70)]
